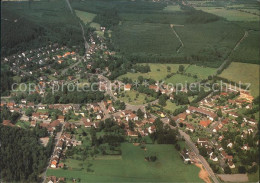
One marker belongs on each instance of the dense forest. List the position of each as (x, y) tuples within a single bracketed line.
[(28, 27), (22, 157)]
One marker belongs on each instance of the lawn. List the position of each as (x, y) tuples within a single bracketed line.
[(201, 72), (158, 72), (180, 78), (230, 14), (23, 124), (244, 72), (133, 99), (133, 168), (170, 106)]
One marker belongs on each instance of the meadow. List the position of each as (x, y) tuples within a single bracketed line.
[(133, 167), (200, 71), (244, 72), (230, 14), (158, 72), (135, 37), (135, 98), (180, 79)]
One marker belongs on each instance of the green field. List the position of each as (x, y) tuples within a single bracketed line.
[(158, 72), (172, 8), (246, 73), (201, 72), (180, 78), (133, 99), (139, 38), (230, 14), (86, 17), (170, 106), (133, 168)]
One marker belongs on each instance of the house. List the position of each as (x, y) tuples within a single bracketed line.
[(87, 124), (33, 123), (220, 148), (205, 123), (231, 164), (245, 147), (213, 157), (61, 165), (96, 124), (127, 87), (7, 123), (190, 128), (54, 163), (230, 144), (132, 133), (185, 156), (61, 118), (99, 116), (209, 114), (152, 129)]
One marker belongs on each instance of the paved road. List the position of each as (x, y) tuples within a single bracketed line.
[(201, 158), (56, 143)]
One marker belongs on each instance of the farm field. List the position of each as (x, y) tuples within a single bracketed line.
[(201, 72), (86, 17), (133, 37), (244, 72), (135, 98), (172, 8), (230, 14), (158, 72), (180, 78), (133, 168)]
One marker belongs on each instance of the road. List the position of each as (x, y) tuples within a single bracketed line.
[(201, 158), (56, 143), (182, 45)]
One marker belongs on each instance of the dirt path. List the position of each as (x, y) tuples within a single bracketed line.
[(182, 45), (203, 174)]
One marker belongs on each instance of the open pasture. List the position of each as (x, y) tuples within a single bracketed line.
[(158, 72), (145, 38), (230, 14), (133, 167), (201, 72), (244, 72)]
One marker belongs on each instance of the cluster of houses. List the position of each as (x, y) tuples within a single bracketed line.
[(215, 125)]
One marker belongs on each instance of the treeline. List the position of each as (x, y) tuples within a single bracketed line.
[(23, 158), (108, 18), (6, 80)]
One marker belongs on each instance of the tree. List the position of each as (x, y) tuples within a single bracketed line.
[(181, 68), (219, 113), (168, 69), (203, 151), (162, 100), (241, 169), (140, 114), (227, 170), (29, 111)]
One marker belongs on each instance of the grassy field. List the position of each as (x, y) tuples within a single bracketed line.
[(172, 8), (179, 78), (86, 17), (170, 106), (130, 97), (24, 125), (246, 73), (135, 37), (230, 14), (133, 168), (158, 72), (201, 72)]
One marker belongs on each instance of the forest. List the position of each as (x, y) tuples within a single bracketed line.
[(22, 157)]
